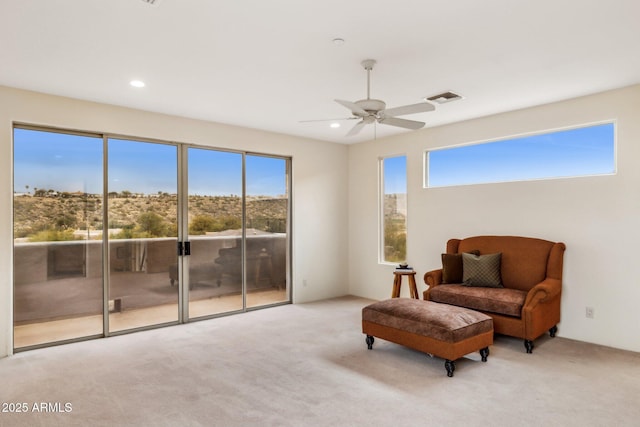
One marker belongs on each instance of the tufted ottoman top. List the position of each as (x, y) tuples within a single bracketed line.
[(442, 322)]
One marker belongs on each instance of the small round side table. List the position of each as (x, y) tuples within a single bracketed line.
[(397, 283)]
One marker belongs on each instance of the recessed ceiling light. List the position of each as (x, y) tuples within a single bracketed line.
[(338, 41), (335, 125), (136, 83)]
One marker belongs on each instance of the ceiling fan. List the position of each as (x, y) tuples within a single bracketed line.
[(375, 110)]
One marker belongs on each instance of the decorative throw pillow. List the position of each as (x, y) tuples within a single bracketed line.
[(482, 270), (452, 267)]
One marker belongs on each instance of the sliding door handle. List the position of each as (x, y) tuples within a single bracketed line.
[(184, 248)]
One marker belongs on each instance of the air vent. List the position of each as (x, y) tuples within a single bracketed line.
[(444, 98), (152, 2)]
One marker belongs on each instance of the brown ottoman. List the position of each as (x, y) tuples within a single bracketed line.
[(442, 330)]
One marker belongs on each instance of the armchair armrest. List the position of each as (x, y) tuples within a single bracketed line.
[(543, 292), (541, 310), (432, 279)]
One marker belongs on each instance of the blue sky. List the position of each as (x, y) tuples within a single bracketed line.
[(574, 152), (72, 163), (142, 167), (395, 174), (219, 172), (57, 161)]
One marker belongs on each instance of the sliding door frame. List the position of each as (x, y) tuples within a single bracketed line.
[(182, 234)]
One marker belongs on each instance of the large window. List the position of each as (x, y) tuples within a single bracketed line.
[(575, 152), (113, 234), (394, 209)]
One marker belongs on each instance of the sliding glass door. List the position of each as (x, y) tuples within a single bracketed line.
[(58, 239), (215, 231), (267, 216), (238, 210), (115, 234), (143, 233)]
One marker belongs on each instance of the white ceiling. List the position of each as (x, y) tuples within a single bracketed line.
[(270, 64)]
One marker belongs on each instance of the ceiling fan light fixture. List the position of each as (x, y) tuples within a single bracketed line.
[(334, 125)]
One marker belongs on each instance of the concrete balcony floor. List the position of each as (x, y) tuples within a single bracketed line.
[(81, 326)]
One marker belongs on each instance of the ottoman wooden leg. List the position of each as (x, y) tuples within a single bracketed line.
[(369, 340), (450, 366), (484, 353)]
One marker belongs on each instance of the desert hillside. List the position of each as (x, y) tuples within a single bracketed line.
[(57, 215)]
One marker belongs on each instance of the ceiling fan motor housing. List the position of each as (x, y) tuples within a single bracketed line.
[(372, 106)]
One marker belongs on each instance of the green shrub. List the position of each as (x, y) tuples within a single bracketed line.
[(52, 236)]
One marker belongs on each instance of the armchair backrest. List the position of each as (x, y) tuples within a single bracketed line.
[(525, 262)]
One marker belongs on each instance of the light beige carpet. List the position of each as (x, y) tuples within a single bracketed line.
[(307, 365)]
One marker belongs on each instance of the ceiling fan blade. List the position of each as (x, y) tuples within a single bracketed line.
[(403, 123), (420, 107), (355, 108), (356, 129), (328, 120)]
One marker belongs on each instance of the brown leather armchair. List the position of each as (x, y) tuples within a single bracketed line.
[(531, 271)]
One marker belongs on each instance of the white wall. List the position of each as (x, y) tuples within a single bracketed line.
[(597, 217), (319, 174)]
